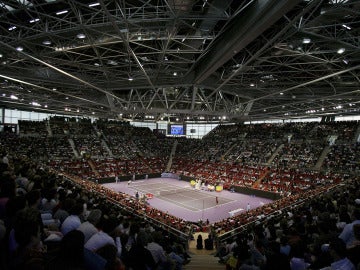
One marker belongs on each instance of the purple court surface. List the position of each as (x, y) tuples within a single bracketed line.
[(180, 199)]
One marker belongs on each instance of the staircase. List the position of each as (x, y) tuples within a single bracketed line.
[(106, 147), (48, 128), (322, 157), (275, 154), (93, 168), (72, 144), (173, 150), (204, 262), (257, 183), (202, 259), (357, 135), (228, 151)]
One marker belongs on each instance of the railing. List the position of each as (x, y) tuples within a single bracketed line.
[(181, 235), (277, 213)]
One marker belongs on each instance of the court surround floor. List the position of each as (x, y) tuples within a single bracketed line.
[(180, 199)]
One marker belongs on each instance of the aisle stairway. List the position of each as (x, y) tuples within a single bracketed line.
[(322, 157), (275, 154), (258, 182), (202, 259), (204, 262)]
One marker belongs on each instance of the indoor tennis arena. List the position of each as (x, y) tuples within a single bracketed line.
[(179, 134)]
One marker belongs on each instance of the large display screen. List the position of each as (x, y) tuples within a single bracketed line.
[(176, 130)]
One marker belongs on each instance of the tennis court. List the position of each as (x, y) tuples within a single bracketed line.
[(180, 199), (187, 197)]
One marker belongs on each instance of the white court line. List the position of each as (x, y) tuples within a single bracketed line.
[(202, 199), (180, 204), (176, 202)]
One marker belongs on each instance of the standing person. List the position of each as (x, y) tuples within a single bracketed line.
[(248, 207), (199, 241), (217, 200), (116, 179)]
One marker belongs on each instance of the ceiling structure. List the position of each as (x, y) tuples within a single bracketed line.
[(153, 59)]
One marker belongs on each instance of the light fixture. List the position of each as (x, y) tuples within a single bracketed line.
[(19, 49), (81, 36), (34, 103), (130, 78), (306, 40), (341, 50), (112, 62), (46, 42), (34, 20), (12, 28), (1, 55), (62, 12), (346, 27), (281, 93), (94, 4), (252, 84), (175, 73), (13, 97)]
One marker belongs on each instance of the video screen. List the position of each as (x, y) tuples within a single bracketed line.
[(176, 130)]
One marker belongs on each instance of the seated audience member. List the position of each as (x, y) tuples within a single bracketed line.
[(88, 228), (157, 250), (71, 252), (347, 235), (113, 262), (138, 250), (7, 191), (275, 259), (106, 227), (337, 249), (353, 250), (73, 221), (30, 252), (64, 208), (285, 248), (72, 255), (175, 257), (49, 202)]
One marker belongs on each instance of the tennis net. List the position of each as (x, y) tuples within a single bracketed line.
[(172, 191)]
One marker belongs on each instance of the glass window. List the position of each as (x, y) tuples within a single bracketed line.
[(25, 115)]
